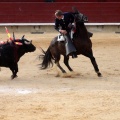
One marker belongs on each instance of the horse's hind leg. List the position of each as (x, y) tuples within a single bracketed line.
[(66, 59), (93, 61), (58, 64)]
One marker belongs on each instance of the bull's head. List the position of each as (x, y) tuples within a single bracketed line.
[(24, 43), (28, 46)]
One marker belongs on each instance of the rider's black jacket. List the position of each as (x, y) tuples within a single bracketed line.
[(64, 22)]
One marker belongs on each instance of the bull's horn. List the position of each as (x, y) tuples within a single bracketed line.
[(29, 42), (23, 37)]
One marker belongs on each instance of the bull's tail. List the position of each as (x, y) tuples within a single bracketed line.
[(46, 59)]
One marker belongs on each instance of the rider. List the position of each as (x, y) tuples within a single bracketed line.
[(63, 24)]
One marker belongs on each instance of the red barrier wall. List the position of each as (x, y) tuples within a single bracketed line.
[(86, 0), (60, 0), (43, 12), (22, 0)]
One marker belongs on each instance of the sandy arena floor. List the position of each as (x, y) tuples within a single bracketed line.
[(39, 95)]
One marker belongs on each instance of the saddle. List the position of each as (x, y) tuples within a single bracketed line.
[(61, 38)]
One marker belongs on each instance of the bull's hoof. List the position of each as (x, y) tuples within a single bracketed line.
[(99, 74), (13, 76)]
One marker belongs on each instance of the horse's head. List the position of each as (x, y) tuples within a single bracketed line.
[(79, 17), (79, 20)]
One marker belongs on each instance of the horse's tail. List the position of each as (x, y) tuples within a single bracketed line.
[(47, 59)]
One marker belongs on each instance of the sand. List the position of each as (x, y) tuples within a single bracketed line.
[(38, 95)]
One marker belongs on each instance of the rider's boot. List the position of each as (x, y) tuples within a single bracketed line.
[(74, 55)]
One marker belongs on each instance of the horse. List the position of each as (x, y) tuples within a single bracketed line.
[(81, 41)]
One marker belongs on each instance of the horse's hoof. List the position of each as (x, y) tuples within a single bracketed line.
[(13, 76), (57, 75), (63, 71), (99, 75)]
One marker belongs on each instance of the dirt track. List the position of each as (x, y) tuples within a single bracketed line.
[(39, 95)]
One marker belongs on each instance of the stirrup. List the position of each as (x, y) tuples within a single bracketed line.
[(74, 56)]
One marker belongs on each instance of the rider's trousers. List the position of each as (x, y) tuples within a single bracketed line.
[(70, 48)]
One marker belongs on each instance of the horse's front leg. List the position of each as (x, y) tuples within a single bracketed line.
[(94, 63)]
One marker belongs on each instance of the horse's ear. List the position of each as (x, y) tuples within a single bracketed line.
[(23, 37), (74, 9), (13, 36)]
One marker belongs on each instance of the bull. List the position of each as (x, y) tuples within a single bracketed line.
[(11, 52)]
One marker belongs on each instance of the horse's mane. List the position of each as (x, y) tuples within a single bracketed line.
[(81, 29)]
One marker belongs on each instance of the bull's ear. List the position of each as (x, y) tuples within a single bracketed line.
[(23, 37), (13, 36)]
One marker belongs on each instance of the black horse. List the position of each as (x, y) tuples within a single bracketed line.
[(81, 41)]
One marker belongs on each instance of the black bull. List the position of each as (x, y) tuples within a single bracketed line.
[(10, 54)]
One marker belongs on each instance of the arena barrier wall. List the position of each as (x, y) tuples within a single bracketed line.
[(43, 12)]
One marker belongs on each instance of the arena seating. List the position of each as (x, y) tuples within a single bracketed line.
[(43, 12)]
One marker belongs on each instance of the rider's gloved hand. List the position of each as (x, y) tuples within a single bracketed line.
[(70, 25), (63, 32)]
